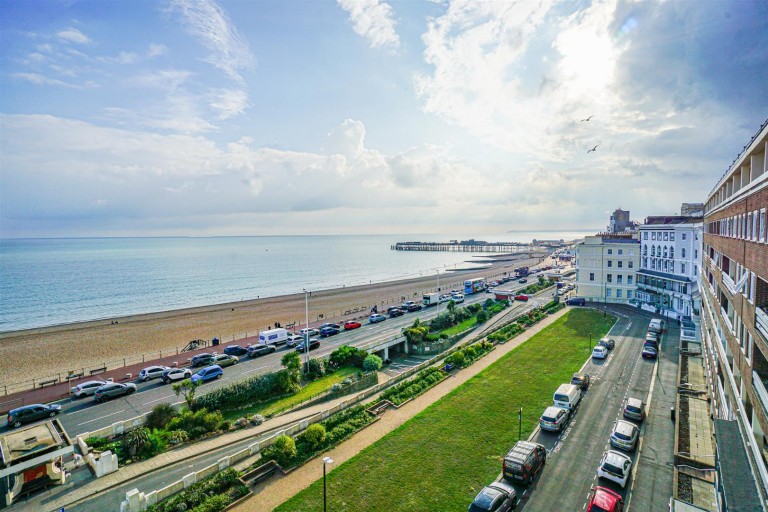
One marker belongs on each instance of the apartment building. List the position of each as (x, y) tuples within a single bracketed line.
[(605, 267), (667, 280), (734, 317)]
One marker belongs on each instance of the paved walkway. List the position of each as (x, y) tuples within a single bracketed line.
[(279, 489)]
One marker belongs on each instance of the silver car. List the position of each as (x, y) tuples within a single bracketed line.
[(87, 388), (174, 374), (152, 372), (554, 419), (624, 435)]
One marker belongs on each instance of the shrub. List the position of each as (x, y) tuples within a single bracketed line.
[(215, 503), (474, 308), (224, 483), (136, 440), (482, 316), (347, 355), (372, 363), (282, 451), (250, 391), (424, 380), (315, 368), (177, 437), (160, 415), (314, 435), (458, 358)]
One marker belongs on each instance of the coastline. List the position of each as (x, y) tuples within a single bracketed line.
[(43, 351)]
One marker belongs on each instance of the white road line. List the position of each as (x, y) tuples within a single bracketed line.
[(101, 418), (254, 369), (157, 400)]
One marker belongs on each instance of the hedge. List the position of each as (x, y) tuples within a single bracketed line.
[(211, 495), (423, 381), (248, 392)]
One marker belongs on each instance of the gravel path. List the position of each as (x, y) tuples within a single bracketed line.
[(279, 489)]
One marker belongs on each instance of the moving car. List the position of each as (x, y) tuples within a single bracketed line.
[(395, 312), (151, 372), (329, 331), (495, 497), (352, 324), (202, 359), (457, 297), (236, 350), (576, 301), (414, 307), (113, 390), (649, 352), (524, 461), (444, 298), (175, 374), (261, 350), (523, 297), (225, 360), (599, 352), (602, 499), (313, 344), (607, 343), (634, 409), (624, 435), (376, 318), (31, 413), (581, 380), (207, 374), (615, 466), (87, 388), (554, 419), (523, 281)]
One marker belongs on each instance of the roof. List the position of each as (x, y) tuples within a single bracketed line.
[(664, 275), (605, 498), (30, 441), (520, 451), (664, 220), (738, 482)]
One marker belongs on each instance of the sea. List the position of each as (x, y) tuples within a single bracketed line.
[(55, 281)]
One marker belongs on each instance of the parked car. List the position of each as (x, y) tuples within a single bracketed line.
[(566, 396), (599, 352), (577, 301), (406, 304), (615, 466), (332, 326), (87, 388), (293, 339), (31, 413), (261, 350), (311, 331), (113, 390), (414, 307), (444, 298), (329, 331), (602, 499), (624, 435), (524, 461), (207, 374), (522, 297), (554, 419), (352, 324), (651, 343), (176, 374), (202, 359), (581, 380), (395, 312), (634, 409), (607, 343), (313, 344), (376, 318), (224, 360), (523, 281), (494, 283), (495, 497), (236, 350), (649, 352), (656, 325), (151, 372)]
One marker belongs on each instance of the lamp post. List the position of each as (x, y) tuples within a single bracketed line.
[(438, 293), (326, 461), (306, 330)]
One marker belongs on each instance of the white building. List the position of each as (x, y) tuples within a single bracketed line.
[(605, 267), (669, 265)]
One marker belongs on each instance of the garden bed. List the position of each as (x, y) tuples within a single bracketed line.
[(210, 495)]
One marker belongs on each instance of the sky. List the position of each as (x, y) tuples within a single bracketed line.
[(203, 118)]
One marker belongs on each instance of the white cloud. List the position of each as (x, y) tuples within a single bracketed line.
[(373, 20), (156, 50), (228, 102), (39, 79), (207, 21), (73, 36)]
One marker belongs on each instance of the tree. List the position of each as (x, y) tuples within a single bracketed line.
[(451, 306), (187, 388), (136, 440), (283, 450), (291, 361), (315, 368), (482, 316), (372, 363), (160, 415), (315, 435), (416, 334)]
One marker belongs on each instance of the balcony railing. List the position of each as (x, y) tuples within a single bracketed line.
[(761, 322), (757, 383)]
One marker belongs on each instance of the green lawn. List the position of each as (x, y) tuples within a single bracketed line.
[(443, 456), (280, 404), (463, 326)]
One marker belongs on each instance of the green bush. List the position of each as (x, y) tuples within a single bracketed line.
[(424, 380), (315, 369), (224, 483), (160, 415), (372, 363), (482, 316), (314, 435), (457, 359), (215, 503), (282, 451), (250, 391), (347, 355), (197, 424)]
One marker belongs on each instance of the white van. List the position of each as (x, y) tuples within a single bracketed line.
[(567, 396), (273, 337), (656, 325)]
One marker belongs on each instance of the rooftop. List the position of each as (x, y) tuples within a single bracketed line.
[(31, 441), (661, 220)]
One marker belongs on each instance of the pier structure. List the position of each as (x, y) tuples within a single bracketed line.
[(470, 245)]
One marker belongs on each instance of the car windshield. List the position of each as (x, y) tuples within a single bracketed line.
[(632, 408), (561, 398), (621, 436), (598, 508), (550, 419), (484, 500), (607, 466)]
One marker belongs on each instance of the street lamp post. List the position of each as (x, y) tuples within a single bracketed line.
[(306, 331), (438, 292), (326, 461)]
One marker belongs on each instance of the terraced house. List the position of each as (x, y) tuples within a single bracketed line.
[(734, 317)]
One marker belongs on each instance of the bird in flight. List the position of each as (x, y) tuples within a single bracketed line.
[(593, 149), (587, 119)]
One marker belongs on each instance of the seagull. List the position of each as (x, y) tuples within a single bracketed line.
[(593, 149), (587, 119)]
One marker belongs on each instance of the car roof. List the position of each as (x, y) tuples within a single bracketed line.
[(553, 411), (599, 347), (91, 382), (616, 458), (521, 450), (605, 498), (486, 497), (579, 375), (25, 407), (625, 427), (634, 402), (213, 366)]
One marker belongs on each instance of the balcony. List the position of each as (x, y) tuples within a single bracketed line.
[(729, 284), (761, 322), (759, 385)]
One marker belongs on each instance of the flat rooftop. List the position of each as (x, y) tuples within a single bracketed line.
[(30, 442)]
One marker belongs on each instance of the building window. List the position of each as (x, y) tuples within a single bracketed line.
[(629, 294), (610, 263), (665, 251), (672, 236), (672, 253), (609, 278), (645, 235), (761, 233), (621, 251), (754, 226), (653, 235), (665, 265), (666, 236), (682, 268), (610, 251), (631, 252), (619, 263), (631, 264), (683, 236), (682, 252), (591, 276), (645, 250), (653, 250), (749, 226), (607, 293), (618, 294), (619, 278), (629, 281)]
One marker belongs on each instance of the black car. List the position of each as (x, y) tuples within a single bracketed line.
[(496, 497), (328, 331), (577, 301), (414, 307), (395, 312), (524, 461), (235, 350), (31, 413), (260, 350), (202, 359), (581, 380), (607, 343), (332, 326), (313, 344)]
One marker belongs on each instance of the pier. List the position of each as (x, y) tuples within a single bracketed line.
[(470, 245)]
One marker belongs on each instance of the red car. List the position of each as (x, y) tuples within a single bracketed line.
[(521, 297), (352, 324), (604, 500)]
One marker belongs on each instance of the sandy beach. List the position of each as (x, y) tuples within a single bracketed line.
[(46, 351)]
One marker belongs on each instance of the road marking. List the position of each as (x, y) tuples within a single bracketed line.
[(101, 418), (157, 400), (255, 369)]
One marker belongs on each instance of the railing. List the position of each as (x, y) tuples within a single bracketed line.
[(762, 393), (761, 322), (729, 284)]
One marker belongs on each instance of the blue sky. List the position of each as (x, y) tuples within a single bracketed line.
[(191, 117)]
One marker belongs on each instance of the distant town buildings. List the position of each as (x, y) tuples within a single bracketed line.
[(605, 267), (692, 210), (619, 221)]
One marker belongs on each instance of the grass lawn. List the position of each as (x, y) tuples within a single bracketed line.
[(443, 456), (463, 326), (280, 404)]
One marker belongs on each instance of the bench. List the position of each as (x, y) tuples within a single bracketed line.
[(72, 376), (47, 382), (261, 473), (98, 370)]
